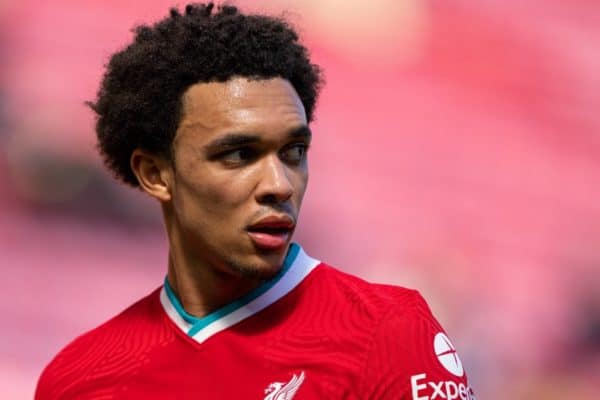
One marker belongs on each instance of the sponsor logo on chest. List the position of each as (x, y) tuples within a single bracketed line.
[(424, 389)]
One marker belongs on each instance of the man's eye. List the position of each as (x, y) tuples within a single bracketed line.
[(295, 153), (239, 156)]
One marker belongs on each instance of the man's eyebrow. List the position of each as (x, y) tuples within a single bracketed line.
[(301, 132), (239, 139), (232, 140)]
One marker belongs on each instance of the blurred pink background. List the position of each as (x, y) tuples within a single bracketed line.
[(456, 150)]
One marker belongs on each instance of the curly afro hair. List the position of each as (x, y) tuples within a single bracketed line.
[(139, 101)]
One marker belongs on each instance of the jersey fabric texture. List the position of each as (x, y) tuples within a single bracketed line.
[(312, 332)]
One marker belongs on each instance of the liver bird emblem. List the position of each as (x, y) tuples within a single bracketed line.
[(283, 390)]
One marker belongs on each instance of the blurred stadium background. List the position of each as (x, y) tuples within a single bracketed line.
[(457, 150)]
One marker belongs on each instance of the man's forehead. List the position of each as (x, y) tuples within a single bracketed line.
[(236, 90), (208, 103)]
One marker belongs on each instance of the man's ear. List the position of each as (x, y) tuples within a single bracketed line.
[(154, 174)]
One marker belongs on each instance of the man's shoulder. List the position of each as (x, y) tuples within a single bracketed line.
[(375, 298), (104, 350), (404, 349)]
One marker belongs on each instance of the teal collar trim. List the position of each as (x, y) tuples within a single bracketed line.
[(197, 324)]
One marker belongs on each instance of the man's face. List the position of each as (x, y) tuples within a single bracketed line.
[(240, 173)]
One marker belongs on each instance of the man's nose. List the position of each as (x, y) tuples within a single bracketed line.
[(275, 185)]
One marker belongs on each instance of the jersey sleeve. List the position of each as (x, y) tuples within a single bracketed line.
[(68, 370), (411, 357)]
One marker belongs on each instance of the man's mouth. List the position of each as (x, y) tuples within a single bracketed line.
[(271, 232)]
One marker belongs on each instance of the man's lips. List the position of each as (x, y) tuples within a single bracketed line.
[(271, 232), (282, 221)]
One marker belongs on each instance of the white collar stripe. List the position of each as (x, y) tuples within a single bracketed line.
[(259, 299), (172, 312)]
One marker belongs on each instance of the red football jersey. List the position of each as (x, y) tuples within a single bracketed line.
[(312, 332)]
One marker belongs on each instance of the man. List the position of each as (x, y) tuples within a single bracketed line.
[(208, 112)]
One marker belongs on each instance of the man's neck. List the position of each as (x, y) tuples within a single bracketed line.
[(201, 288)]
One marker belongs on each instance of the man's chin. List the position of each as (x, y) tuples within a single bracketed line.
[(260, 264), (256, 271)]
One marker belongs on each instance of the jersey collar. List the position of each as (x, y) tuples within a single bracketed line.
[(296, 267)]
